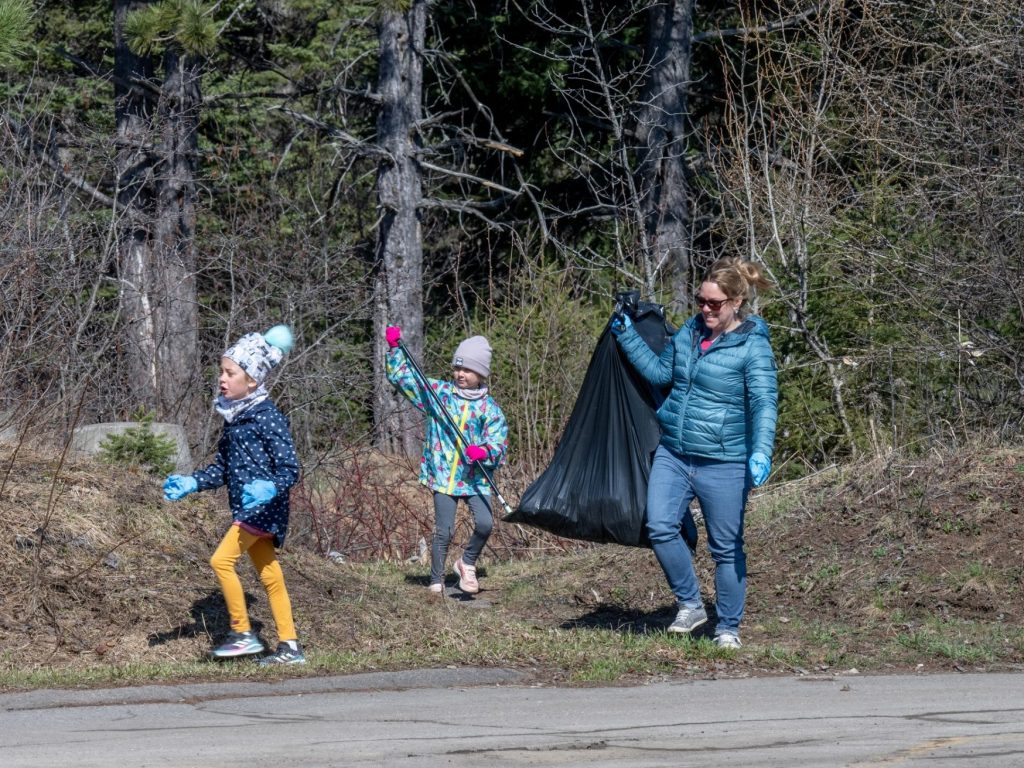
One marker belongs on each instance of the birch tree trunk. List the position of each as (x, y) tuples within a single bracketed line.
[(399, 286), (133, 107)]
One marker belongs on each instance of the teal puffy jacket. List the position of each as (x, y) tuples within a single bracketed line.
[(724, 402)]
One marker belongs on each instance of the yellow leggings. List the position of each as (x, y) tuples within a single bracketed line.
[(261, 551)]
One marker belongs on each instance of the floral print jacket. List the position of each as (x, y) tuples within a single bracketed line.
[(444, 467)]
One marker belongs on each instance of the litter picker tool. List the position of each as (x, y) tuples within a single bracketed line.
[(456, 432)]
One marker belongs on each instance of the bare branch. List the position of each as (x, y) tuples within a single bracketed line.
[(40, 152), (360, 145), (772, 26), (500, 144), (151, 90), (470, 177), (464, 208)]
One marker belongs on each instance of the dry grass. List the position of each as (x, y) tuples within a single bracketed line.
[(882, 566)]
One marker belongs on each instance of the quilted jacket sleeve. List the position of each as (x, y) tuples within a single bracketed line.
[(656, 370), (762, 394), (401, 375)]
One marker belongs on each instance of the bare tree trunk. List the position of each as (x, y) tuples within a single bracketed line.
[(175, 228), (156, 208), (133, 113), (661, 135), (399, 288)]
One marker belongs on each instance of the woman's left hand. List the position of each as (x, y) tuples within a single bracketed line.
[(760, 466)]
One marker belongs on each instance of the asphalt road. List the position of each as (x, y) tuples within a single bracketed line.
[(481, 718)]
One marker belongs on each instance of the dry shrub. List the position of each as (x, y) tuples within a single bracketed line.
[(369, 506), (363, 504)]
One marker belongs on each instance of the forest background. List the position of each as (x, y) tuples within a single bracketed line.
[(177, 173)]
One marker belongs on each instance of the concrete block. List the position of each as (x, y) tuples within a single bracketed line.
[(8, 432)]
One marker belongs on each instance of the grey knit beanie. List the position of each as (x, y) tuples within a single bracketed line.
[(475, 354)]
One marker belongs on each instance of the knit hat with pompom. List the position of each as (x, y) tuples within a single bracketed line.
[(257, 354)]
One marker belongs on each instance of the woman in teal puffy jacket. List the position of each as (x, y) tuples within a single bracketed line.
[(717, 432)]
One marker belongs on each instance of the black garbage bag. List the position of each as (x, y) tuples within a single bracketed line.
[(595, 488)]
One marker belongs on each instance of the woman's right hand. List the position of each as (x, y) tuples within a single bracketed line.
[(621, 324), (393, 335)]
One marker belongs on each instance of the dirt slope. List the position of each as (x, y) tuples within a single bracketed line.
[(885, 565)]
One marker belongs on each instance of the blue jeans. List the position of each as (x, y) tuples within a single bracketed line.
[(721, 487)]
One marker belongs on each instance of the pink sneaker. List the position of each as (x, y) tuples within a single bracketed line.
[(467, 577)]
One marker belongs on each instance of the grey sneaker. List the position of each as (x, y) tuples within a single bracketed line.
[(727, 639), (688, 619), (284, 654), (238, 644)]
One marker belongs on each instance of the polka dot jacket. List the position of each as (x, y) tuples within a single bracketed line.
[(255, 445), (443, 467)]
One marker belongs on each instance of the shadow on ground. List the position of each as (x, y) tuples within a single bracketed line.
[(617, 619), (451, 589), (209, 619)]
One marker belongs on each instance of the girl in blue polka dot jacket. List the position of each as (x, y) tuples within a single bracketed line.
[(256, 460)]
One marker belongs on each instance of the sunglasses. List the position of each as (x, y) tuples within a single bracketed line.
[(713, 304)]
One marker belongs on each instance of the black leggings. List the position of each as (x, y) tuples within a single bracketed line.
[(444, 528)]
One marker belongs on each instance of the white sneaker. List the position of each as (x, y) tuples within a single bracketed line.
[(238, 644), (467, 577), (436, 589)]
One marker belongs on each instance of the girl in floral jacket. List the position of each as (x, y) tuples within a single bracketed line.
[(448, 465)]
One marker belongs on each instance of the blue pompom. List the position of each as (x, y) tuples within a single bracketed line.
[(280, 336)]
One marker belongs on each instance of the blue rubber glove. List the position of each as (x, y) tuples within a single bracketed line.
[(257, 492), (760, 465), (179, 486), (621, 324)]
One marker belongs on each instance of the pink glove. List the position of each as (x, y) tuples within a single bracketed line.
[(394, 335), (476, 453)]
